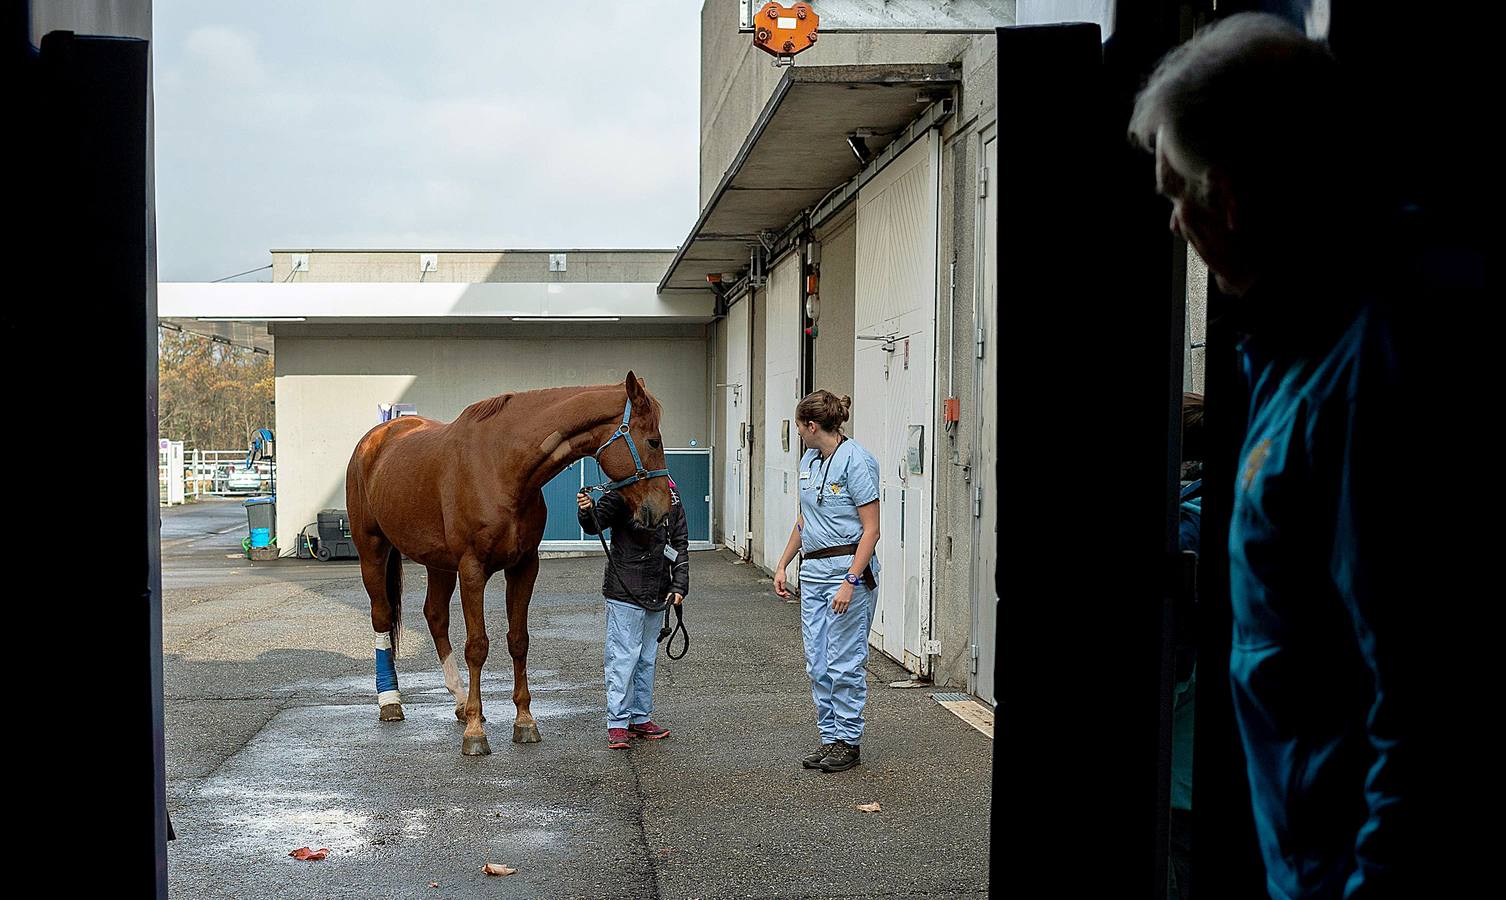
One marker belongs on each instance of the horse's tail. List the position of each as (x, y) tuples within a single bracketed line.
[(395, 593)]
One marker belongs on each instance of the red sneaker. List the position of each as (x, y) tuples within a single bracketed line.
[(648, 731), (617, 738)]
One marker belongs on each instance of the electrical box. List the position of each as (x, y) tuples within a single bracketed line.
[(334, 536)]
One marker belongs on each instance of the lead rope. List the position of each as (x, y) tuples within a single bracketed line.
[(667, 632)]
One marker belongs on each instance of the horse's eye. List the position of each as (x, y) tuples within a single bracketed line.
[(653, 443)]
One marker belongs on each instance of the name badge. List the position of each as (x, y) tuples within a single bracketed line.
[(806, 475), (671, 553)]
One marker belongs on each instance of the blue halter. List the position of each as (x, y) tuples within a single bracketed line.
[(640, 473)]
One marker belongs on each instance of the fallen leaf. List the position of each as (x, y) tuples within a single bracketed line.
[(306, 853), (870, 807), (497, 869)]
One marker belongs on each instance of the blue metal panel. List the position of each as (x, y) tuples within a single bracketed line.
[(692, 475), (691, 470), (559, 496)]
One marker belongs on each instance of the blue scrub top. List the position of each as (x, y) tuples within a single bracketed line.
[(831, 490)]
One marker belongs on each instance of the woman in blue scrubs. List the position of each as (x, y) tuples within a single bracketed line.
[(835, 534)]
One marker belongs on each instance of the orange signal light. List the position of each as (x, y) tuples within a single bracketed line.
[(785, 30)]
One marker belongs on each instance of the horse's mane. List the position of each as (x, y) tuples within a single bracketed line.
[(482, 410)]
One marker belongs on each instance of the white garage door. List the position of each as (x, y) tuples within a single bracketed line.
[(781, 478), (734, 400), (894, 386)]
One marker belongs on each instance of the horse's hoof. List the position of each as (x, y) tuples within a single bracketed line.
[(526, 734), (460, 714), (475, 746), (392, 712)]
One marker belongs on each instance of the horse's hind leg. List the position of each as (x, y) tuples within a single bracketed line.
[(437, 612), (520, 579), (382, 574)]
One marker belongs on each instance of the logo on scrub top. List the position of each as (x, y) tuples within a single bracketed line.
[(835, 488), (1254, 462)]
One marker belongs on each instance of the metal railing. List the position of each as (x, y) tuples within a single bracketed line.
[(208, 473)]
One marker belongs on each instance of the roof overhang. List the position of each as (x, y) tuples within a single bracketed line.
[(244, 314), (796, 154)]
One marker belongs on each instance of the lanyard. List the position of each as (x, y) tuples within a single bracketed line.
[(821, 486)]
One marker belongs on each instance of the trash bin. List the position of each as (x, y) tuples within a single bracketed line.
[(261, 518)]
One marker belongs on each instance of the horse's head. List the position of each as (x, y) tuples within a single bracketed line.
[(647, 499)]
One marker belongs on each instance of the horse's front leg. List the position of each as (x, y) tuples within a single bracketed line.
[(520, 580), (473, 577)]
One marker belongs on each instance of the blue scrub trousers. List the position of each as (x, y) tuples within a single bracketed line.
[(836, 648), (632, 648)]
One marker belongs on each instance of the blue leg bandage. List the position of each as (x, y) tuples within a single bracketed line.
[(386, 671)]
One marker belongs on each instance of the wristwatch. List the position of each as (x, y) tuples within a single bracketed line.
[(852, 579)]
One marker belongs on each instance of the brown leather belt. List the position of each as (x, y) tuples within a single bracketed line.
[(843, 550)]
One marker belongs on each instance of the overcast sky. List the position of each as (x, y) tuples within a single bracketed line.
[(453, 125)]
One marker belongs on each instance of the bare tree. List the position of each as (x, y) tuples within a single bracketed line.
[(211, 396)]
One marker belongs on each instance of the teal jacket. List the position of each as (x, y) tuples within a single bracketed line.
[(1339, 647)]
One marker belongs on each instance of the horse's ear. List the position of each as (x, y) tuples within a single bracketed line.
[(636, 391)]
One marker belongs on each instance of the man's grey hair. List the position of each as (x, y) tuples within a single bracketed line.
[(1250, 95)]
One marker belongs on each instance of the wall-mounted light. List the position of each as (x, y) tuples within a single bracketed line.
[(859, 146)]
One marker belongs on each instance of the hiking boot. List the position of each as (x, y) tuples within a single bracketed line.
[(648, 731), (617, 738), (813, 760), (842, 757)]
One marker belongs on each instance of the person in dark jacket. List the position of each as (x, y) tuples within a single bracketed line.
[(649, 569), (1351, 622)]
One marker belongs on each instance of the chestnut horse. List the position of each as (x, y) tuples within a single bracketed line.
[(465, 500)]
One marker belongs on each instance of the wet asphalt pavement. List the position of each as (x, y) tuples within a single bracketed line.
[(273, 743)]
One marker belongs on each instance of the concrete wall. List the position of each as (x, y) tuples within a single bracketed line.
[(737, 79), (473, 266), (330, 380), (833, 347), (115, 18), (1194, 358)]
